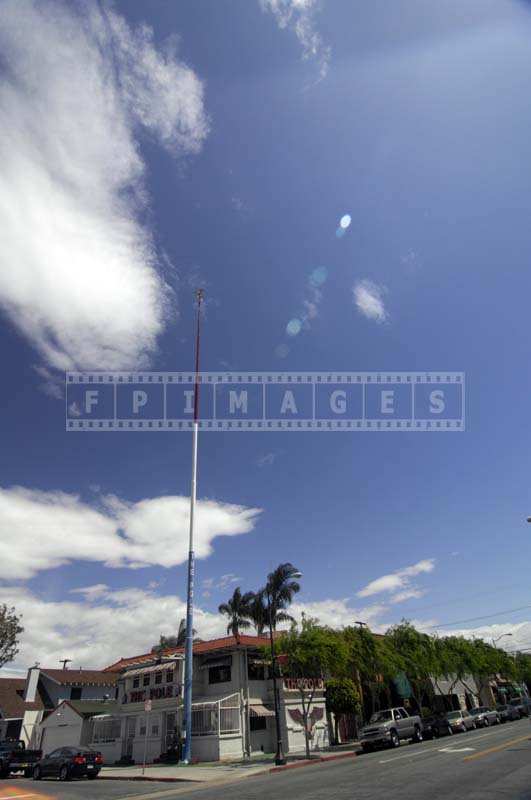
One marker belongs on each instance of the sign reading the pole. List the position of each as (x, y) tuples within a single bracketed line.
[(266, 401), (148, 705)]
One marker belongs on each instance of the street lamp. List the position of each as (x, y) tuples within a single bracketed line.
[(279, 755), (500, 637)]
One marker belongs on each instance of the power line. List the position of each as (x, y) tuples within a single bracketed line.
[(476, 619), (455, 600)]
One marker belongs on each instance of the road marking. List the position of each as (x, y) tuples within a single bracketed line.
[(455, 750), (406, 755), (497, 748)]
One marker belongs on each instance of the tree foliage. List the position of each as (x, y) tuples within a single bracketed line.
[(342, 697), (10, 630), (312, 651)]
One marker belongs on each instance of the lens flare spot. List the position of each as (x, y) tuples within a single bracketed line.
[(345, 221), (293, 328), (282, 350), (318, 277)]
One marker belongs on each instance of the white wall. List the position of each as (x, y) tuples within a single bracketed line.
[(30, 732), (205, 748), (63, 728)]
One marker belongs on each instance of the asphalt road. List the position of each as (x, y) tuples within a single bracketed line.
[(479, 765)]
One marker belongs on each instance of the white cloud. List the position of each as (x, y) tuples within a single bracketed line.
[(222, 583), (520, 637), (94, 634), (78, 270), (42, 530), (93, 592), (338, 613), (128, 621), (368, 297), (298, 16), (407, 594), (398, 583), (267, 460)]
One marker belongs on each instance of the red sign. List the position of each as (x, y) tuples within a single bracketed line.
[(156, 693), (304, 684)]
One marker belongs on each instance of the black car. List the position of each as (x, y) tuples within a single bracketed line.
[(69, 762), (507, 712), (433, 727)]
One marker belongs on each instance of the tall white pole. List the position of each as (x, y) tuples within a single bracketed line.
[(188, 651)]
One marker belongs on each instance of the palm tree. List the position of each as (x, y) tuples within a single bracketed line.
[(259, 613), (281, 586), (237, 609), (167, 642)]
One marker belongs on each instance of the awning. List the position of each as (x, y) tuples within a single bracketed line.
[(261, 711), (132, 673)]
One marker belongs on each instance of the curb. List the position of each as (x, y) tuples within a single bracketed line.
[(145, 778), (313, 761), (293, 765)]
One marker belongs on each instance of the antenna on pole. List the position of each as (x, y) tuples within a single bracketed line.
[(65, 661), (188, 650)]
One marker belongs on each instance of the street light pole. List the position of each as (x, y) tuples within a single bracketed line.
[(279, 755), (498, 639), (188, 650)]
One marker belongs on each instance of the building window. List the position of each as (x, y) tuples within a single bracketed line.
[(158, 677), (256, 672), (106, 730), (76, 692), (220, 674), (169, 676), (155, 730), (142, 727), (136, 683), (258, 723), (146, 679)]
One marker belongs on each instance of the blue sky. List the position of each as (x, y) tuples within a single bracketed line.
[(151, 148)]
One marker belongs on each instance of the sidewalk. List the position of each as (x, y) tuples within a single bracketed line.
[(216, 771)]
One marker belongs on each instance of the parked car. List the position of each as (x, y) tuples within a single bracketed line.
[(15, 758), (69, 762), (522, 704), (461, 721), (390, 727), (507, 712), (435, 726), (485, 716)]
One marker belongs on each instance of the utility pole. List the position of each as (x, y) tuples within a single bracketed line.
[(65, 661), (188, 650)]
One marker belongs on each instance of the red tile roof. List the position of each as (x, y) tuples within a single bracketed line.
[(80, 677), (12, 705), (199, 647)]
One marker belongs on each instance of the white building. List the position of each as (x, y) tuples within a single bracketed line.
[(233, 705), (45, 689)]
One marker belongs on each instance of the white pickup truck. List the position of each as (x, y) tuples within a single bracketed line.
[(390, 727)]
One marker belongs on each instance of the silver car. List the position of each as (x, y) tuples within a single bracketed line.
[(485, 716), (461, 721)]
